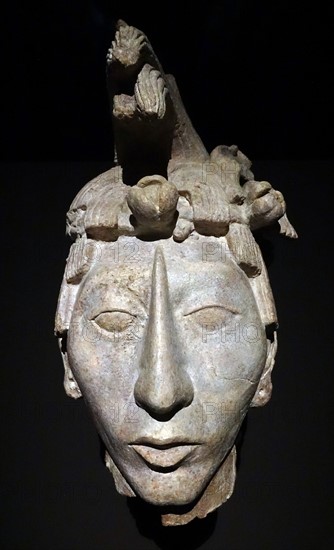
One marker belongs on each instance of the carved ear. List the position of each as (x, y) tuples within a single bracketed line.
[(70, 384), (66, 301), (264, 389)]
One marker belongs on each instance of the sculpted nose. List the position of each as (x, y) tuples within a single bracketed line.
[(163, 386)]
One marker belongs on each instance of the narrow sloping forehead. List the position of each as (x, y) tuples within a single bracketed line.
[(190, 269)]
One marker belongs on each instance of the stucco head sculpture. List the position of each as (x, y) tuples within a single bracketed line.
[(166, 320)]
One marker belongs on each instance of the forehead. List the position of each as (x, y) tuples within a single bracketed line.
[(196, 264), (131, 254)]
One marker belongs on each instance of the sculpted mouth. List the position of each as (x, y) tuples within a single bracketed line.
[(163, 455)]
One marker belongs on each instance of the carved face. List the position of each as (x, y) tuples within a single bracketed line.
[(167, 346)]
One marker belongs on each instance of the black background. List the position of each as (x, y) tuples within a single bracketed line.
[(249, 73)]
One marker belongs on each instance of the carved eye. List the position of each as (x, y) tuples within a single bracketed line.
[(114, 321), (211, 315)]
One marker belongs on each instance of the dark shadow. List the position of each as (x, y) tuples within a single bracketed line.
[(148, 520), (240, 440), (63, 342), (133, 170), (265, 239), (102, 450)]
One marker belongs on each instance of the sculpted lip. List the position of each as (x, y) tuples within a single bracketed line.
[(162, 454)]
